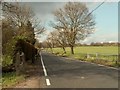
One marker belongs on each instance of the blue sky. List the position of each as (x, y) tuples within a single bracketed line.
[(106, 18)]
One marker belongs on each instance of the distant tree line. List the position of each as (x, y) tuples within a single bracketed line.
[(105, 44), (47, 44)]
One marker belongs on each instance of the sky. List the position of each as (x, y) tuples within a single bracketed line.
[(106, 18)]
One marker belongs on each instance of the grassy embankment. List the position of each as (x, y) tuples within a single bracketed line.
[(9, 79), (106, 55)]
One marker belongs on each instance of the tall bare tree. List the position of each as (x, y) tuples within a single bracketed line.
[(24, 19), (59, 39), (49, 43), (20, 14), (75, 20)]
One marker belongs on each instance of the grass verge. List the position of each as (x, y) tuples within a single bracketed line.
[(107, 55), (10, 79)]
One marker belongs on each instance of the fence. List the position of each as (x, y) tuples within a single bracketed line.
[(98, 56), (106, 59)]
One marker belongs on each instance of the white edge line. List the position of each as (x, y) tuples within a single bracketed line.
[(96, 64), (44, 69), (45, 72), (48, 82), (102, 65)]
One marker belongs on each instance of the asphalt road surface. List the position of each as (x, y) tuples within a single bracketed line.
[(60, 72)]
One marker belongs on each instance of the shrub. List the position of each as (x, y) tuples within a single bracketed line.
[(6, 60), (29, 50)]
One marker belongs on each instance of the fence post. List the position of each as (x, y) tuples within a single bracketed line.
[(96, 56), (19, 64), (88, 56), (22, 62), (116, 61)]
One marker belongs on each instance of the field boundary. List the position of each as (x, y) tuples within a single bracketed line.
[(99, 64), (103, 55), (88, 62)]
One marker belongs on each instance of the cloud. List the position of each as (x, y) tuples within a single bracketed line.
[(92, 5), (101, 38), (43, 11)]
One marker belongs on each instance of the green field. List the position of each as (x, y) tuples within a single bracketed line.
[(100, 54), (91, 49)]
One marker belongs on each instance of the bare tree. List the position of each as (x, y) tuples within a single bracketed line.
[(59, 39), (75, 20), (49, 43), (20, 14), (39, 29), (24, 19)]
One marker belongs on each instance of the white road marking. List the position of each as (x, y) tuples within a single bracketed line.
[(82, 77), (100, 65), (45, 71), (103, 65), (48, 82), (95, 64), (111, 67)]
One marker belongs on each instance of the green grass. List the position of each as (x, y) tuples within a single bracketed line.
[(105, 53), (91, 49), (9, 79)]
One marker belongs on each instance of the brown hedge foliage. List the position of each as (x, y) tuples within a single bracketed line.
[(29, 50)]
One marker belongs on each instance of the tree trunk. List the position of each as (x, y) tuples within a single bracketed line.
[(64, 50), (51, 49), (72, 50)]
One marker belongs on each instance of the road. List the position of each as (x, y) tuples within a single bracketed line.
[(68, 73)]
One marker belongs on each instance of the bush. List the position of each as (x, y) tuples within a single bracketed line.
[(29, 50), (6, 60)]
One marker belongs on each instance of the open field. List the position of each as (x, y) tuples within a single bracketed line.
[(99, 54), (91, 49)]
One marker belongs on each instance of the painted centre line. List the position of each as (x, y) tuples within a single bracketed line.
[(45, 71)]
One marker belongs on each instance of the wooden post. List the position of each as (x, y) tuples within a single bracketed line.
[(116, 61), (96, 56), (17, 63), (88, 56), (20, 63)]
